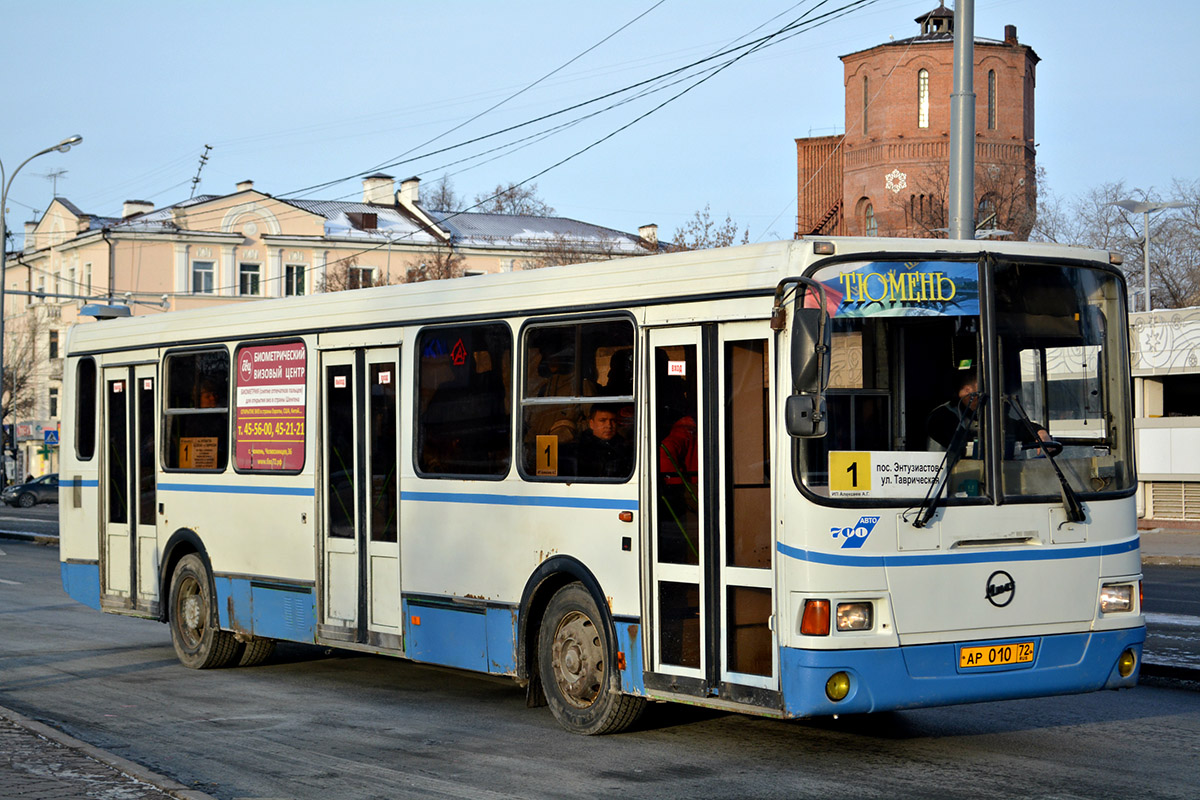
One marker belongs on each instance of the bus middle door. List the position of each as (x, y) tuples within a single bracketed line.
[(711, 508), (360, 548)]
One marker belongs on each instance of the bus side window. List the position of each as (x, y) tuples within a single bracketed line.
[(464, 419), (85, 409), (197, 410), (577, 401)]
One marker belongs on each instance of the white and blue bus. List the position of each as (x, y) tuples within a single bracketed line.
[(793, 479)]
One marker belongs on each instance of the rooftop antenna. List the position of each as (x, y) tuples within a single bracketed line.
[(53, 176), (203, 161)]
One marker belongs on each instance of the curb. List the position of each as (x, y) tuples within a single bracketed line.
[(1172, 561), (1171, 673), (25, 536), (122, 765)]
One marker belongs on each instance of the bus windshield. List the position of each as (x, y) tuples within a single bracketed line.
[(913, 375)]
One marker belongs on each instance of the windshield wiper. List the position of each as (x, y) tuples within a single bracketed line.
[(1051, 448), (954, 451)]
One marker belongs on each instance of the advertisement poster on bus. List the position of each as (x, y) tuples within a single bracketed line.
[(900, 289), (270, 407)]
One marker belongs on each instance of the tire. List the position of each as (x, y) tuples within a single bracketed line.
[(577, 668), (26, 500), (254, 652), (199, 643)]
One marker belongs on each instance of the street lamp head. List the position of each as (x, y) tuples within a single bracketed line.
[(1140, 207), (65, 144)]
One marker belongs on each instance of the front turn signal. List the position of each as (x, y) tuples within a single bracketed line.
[(815, 620)]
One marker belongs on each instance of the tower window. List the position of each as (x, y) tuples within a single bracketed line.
[(866, 103), (923, 99), (991, 99), (870, 226)]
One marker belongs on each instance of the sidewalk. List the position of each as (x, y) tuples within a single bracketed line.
[(41, 763)]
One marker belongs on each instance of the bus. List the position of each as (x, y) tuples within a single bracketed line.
[(715, 477)]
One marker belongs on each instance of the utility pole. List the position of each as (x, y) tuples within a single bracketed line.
[(962, 124)]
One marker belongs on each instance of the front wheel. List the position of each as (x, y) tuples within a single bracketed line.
[(199, 642), (578, 673), (27, 500)]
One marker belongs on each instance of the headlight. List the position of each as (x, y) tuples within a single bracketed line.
[(1116, 597), (854, 617)]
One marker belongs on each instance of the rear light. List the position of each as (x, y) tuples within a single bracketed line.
[(1116, 598), (815, 620), (854, 617)]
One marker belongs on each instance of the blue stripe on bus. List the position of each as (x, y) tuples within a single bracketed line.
[(520, 500), (299, 491), (970, 557)]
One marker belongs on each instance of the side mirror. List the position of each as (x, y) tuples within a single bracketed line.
[(811, 340), (804, 416)]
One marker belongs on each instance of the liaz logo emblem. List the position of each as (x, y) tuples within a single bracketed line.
[(1001, 588), (854, 536)]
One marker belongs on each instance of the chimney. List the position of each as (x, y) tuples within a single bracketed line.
[(1010, 34), (378, 188), (649, 234), (245, 186), (410, 191), (134, 207)]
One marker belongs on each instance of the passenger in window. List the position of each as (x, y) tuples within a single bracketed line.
[(556, 378), (208, 395), (601, 452)]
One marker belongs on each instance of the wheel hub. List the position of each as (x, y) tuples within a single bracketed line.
[(578, 659)]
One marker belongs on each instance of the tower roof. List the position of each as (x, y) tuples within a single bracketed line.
[(940, 20)]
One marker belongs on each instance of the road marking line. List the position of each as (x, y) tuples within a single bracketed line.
[(11, 583), (1181, 620)]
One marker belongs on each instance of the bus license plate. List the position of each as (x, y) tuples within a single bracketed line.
[(995, 655)]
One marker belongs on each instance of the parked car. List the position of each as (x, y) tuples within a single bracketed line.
[(40, 490)]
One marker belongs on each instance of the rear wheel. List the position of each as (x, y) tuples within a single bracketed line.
[(577, 671), (199, 643), (254, 652)]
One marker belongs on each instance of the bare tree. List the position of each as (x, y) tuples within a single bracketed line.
[(701, 232), (347, 274), (1007, 201), (22, 360), (441, 196), (514, 199), (1094, 220), (434, 265), (561, 250)]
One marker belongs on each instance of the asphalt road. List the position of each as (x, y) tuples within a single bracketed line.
[(41, 519), (316, 724)]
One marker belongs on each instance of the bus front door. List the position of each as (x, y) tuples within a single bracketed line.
[(711, 419), (360, 570), (129, 532)]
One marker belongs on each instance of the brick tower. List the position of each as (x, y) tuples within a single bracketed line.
[(889, 174)]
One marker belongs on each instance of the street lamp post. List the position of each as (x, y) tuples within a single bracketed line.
[(5, 184), (1145, 209)]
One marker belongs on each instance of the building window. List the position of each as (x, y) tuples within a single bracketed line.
[(463, 423), (991, 99), (866, 104), (87, 279), (986, 218), (248, 278), (54, 404), (360, 277), (923, 99), (293, 280), (41, 288), (202, 277), (870, 226), (54, 344), (197, 410)]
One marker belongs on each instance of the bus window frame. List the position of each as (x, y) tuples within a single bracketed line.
[(94, 411), (416, 402), (985, 260), (167, 413), (308, 400), (519, 407)]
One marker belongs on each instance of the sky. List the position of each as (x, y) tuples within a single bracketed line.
[(299, 94)]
